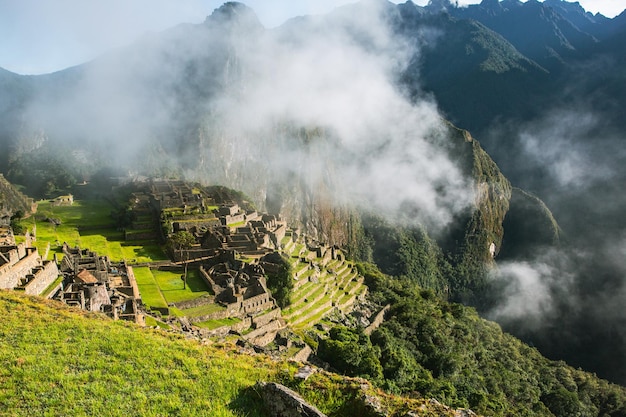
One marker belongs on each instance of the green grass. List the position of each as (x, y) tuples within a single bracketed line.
[(171, 285), (148, 288), (160, 288), (151, 322), (87, 224), (59, 361), (214, 324), (237, 224)]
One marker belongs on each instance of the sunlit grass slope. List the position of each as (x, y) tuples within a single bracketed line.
[(58, 361), (62, 362)]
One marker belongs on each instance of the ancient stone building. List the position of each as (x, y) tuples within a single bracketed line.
[(95, 283), (22, 268), (238, 285)]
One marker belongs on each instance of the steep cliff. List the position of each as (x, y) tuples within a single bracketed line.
[(12, 201)]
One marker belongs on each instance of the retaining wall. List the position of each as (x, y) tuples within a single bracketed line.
[(42, 278), (9, 278), (262, 320)]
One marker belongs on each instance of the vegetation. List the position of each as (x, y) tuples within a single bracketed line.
[(88, 224), (426, 348), (60, 361), (444, 350), (178, 243), (160, 288), (280, 283), (351, 352), (11, 199), (46, 172), (151, 294)]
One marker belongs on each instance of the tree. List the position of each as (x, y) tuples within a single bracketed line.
[(179, 242), (351, 352), (280, 282)]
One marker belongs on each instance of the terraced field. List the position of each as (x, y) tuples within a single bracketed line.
[(88, 224), (319, 288), (159, 289)]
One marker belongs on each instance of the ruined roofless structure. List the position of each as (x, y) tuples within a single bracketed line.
[(21, 267), (94, 283)]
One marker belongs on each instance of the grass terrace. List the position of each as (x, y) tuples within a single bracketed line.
[(87, 224), (215, 324), (160, 288), (199, 311), (151, 294), (171, 285)]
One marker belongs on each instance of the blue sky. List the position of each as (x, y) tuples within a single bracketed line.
[(41, 36)]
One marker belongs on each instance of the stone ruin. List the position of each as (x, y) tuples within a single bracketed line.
[(226, 227), (21, 267), (94, 283), (241, 288), (259, 235)]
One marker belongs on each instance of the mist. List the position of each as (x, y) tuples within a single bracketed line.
[(230, 102), (567, 300)]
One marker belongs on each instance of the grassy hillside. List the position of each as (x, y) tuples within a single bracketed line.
[(58, 361)]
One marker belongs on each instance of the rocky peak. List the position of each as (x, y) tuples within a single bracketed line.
[(235, 15), (439, 5), (490, 4)]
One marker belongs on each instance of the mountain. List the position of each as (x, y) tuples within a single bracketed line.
[(561, 139), (553, 40), (334, 121)]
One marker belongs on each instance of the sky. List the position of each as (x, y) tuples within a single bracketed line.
[(43, 36)]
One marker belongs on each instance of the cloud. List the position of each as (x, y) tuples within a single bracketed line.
[(312, 110), (533, 293), (564, 143), (337, 74)]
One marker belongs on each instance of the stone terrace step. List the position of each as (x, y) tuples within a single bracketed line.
[(326, 306), (313, 298), (343, 268), (306, 292)]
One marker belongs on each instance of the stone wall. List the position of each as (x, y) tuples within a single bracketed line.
[(378, 320), (272, 326), (263, 319), (198, 224), (196, 302), (11, 274), (235, 218), (41, 278), (243, 325), (218, 315), (139, 235), (303, 354), (257, 303), (209, 281), (279, 232)]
